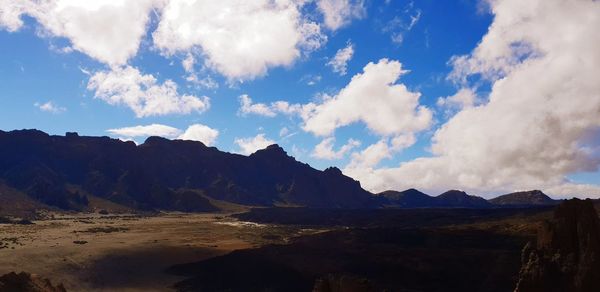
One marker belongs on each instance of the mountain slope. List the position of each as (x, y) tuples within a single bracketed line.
[(166, 174), (527, 198), (460, 199), (410, 198), (413, 198)]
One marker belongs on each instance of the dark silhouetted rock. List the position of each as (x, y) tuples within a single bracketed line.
[(342, 283), (525, 199), (566, 256), (25, 282), (166, 174), (460, 199), (410, 198)]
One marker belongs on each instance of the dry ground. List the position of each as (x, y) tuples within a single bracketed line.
[(126, 252)]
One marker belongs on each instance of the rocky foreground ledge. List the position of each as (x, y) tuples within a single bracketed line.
[(25, 282), (566, 256)]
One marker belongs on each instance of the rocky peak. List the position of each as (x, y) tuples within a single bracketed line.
[(566, 256), (454, 194), (333, 170), (273, 151)]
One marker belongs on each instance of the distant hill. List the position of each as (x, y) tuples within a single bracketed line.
[(460, 199), (527, 198), (410, 198), (165, 174), (413, 198)]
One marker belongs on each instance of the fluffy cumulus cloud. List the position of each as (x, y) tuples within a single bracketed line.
[(50, 107), (84, 24), (324, 150), (375, 98), (338, 13), (195, 132), (143, 93), (248, 107), (541, 120), (339, 62), (202, 133), (145, 131), (250, 145), (239, 39), (463, 98)]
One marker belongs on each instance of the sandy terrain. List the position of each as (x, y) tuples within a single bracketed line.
[(126, 252)]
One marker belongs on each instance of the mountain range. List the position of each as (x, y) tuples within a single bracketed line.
[(161, 174)]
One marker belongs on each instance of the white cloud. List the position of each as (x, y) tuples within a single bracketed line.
[(544, 105), (261, 109), (195, 132), (239, 39), (324, 150), (145, 131), (188, 63), (278, 107), (370, 156), (202, 133), (463, 98), (373, 97), (284, 131), (339, 13), (192, 76), (250, 145), (363, 163), (143, 94), (311, 79), (339, 63), (402, 24), (50, 107), (107, 30)]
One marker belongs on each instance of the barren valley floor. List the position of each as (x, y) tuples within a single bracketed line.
[(125, 252)]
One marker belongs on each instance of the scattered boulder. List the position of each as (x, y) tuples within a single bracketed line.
[(25, 282), (566, 256)]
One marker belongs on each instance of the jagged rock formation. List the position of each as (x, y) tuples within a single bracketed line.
[(342, 283), (566, 256), (165, 174), (526, 198), (25, 282)]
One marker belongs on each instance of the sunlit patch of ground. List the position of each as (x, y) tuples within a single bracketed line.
[(127, 252)]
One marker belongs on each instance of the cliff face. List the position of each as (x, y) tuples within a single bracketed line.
[(566, 256), (165, 174)]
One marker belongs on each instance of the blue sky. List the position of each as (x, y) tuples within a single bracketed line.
[(47, 68)]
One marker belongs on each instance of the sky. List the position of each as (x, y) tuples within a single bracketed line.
[(486, 96)]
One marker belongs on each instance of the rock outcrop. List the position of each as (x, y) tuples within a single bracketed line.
[(566, 256), (25, 282)]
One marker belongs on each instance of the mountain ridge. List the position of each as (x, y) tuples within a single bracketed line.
[(183, 175), (160, 173)]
